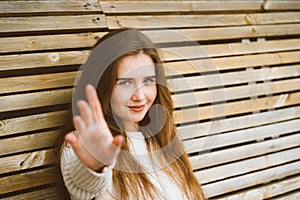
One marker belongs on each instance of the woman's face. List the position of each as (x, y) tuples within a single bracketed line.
[(135, 90)]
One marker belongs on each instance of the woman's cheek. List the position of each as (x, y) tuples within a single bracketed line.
[(152, 93)]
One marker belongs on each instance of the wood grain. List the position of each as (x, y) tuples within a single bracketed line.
[(14, 7), (230, 63), (220, 33), (47, 23), (27, 160), (49, 42), (37, 82), (243, 152), (49, 193), (215, 20), (31, 123), (233, 78), (39, 60), (270, 190), (255, 178), (35, 99), (29, 142), (228, 49), (183, 6), (28, 180), (195, 130), (233, 108), (246, 166), (234, 93), (241, 136)]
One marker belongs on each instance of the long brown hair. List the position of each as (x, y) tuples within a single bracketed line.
[(103, 62)]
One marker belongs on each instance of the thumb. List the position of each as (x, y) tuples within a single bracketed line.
[(118, 141), (116, 144)]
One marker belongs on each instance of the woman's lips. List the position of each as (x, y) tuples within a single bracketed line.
[(137, 108)]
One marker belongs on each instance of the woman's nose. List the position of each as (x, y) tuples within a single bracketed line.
[(138, 94)]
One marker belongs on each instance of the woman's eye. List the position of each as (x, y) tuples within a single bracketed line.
[(124, 83), (150, 80)]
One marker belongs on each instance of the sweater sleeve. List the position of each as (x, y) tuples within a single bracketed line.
[(82, 182)]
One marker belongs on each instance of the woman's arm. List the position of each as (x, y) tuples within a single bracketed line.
[(91, 149), (82, 182)]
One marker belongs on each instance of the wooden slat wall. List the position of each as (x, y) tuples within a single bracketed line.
[(42, 44), (234, 69)]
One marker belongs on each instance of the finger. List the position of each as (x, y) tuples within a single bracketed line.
[(98, 108), (74, 141), (85, 112), (94, 102), (79, 124)]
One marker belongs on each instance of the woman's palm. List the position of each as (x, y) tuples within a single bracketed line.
[(93, 144)]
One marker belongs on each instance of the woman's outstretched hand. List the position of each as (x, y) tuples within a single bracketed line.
[(93, 144)]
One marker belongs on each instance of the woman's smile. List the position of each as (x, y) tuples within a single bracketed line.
[(137, 108)]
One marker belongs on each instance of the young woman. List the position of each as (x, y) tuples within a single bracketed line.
[(126, 147)]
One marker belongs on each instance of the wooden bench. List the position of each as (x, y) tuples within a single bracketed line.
[(233, 69)]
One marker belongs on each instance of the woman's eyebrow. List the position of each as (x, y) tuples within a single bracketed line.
[(124, 79), (128, 79), (153, 76)]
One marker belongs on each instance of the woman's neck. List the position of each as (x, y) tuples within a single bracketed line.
[(131, 127)]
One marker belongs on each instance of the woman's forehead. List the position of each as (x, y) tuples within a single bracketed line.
[(136, 65)]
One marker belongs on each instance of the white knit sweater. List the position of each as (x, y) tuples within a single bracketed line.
[(85, 184)]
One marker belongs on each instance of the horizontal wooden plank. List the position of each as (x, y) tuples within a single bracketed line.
[(46, 23), (63, 96), (86, 40), (236, 123), (22, 124), (241, 136), (292, 195), (255, 178), (182, 6), (28, 180), (220, 33), (232, 93), (246, 166), (281, 5), (232, 78), (229, 155), (26, 83), (29, 142), (185, 21), (27, 161), (56, 80), (233, 108), (35, 99), (37, 82), (55, 97), (50, 193), (11, 7), (48, 42), (228, 49), (270, 18), (36, 60), (55, 119), (267, 191), (229, 63)]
